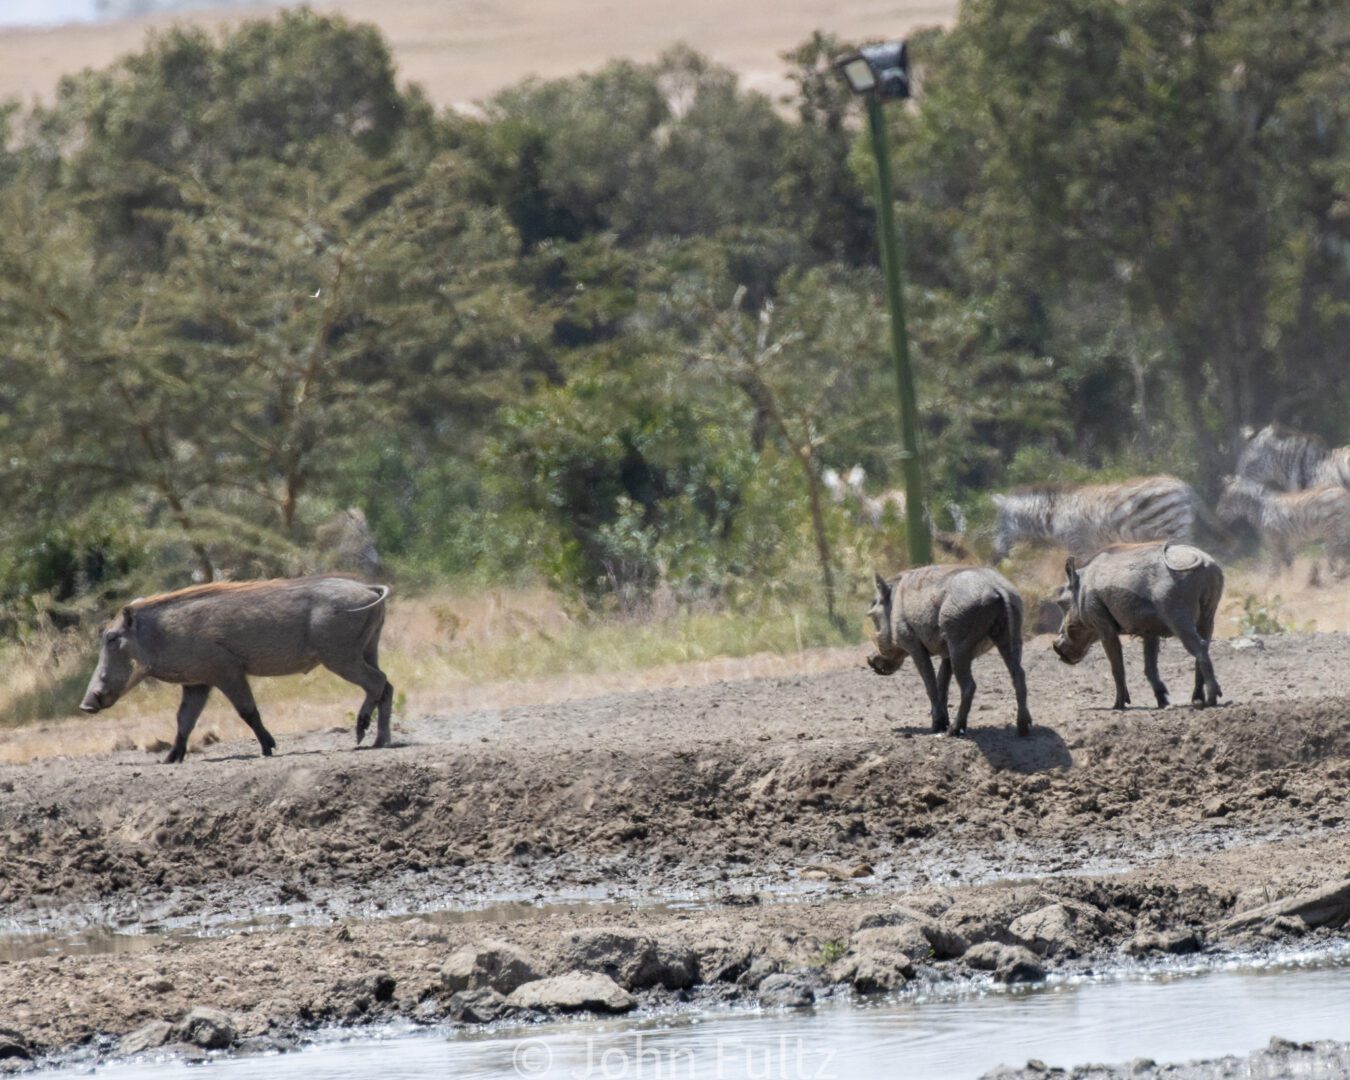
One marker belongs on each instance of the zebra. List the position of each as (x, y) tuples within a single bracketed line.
[(1084, 520), (849, 489), (1290, 520), (1289, 460)]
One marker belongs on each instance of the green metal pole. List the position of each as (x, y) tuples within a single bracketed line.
[(916, 516)]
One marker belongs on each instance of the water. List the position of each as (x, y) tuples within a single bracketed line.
[(134, 936), (1171, 1017)]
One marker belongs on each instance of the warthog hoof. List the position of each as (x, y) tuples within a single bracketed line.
[(940, 724), (1024, 726), (362, 726)]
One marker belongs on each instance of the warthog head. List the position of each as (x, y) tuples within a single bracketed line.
[(117, 670), (889, 656), (1075, 635)]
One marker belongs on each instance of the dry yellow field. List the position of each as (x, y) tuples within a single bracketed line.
[(461, 51)]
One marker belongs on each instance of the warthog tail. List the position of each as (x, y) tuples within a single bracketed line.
[(383, 590)]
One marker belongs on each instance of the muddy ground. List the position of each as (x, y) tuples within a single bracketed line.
[(1278, 1061), (724, 821)]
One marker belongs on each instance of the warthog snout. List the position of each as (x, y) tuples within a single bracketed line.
[(1069, 651), (885, 665), (91, 703)]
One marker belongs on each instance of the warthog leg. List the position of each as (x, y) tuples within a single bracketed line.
[(1111, 646), (965, 679), (1206, 690), (241, 697), (1010, 648), (382, 735), (372, 680), (1151, 644), (944, 681), (194, 701), (937, 701)]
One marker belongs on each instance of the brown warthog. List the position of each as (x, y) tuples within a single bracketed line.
[(956, 613), (218, 635), (1154, 591)]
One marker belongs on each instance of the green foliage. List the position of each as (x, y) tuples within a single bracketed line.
[(613, 330), (1261, 616)]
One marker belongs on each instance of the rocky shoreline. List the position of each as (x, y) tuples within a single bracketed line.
[(785, 841), (1280, 1060)]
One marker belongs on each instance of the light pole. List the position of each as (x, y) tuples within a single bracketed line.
[(877, 73)]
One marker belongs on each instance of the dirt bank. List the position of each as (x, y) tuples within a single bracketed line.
[(1138, 835)]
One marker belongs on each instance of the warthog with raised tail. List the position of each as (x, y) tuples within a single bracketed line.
[(1150, 590), (955, 613), (218, 635)]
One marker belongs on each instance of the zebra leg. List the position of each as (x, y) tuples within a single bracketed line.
[(1111, 646), (937, 701), (1151, 644)]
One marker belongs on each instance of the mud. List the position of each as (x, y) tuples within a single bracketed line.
[(725, 823), (1281, 1059)]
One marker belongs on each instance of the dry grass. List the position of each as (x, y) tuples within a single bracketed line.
[(462, 53), (449, 653), (444, 653)]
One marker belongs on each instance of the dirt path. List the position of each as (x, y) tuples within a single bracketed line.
[(749, 800)]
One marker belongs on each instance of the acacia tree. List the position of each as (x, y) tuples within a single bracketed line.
[(797, 379)]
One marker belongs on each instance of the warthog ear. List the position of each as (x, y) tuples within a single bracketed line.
[(883, 595), (1071, 571)]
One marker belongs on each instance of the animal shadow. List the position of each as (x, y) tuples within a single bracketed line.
[(1003, 748)]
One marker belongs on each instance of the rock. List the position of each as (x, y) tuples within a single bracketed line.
[(633, 960), (14, 1047), (1060, 929), (984, 956), (574, 991), (942, 943), (1171, 942), (875, 973), (494, 965), (835, 872), (210, 1029), (1018, 965), (1216, 807), (908, 940), (1325, 906), (790, 990), (761, 967), (149, 1036), (721, 961), (1238, 644), (1279, 1045), (481, 1006)]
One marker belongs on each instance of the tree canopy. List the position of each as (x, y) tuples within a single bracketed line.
[(247, 280)]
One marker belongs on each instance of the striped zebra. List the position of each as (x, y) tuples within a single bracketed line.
[(1289, 460), (1084, 520), (1288, 521)]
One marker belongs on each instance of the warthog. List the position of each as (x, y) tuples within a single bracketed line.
[(218, 635), (956, 613), (1154, 591)]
